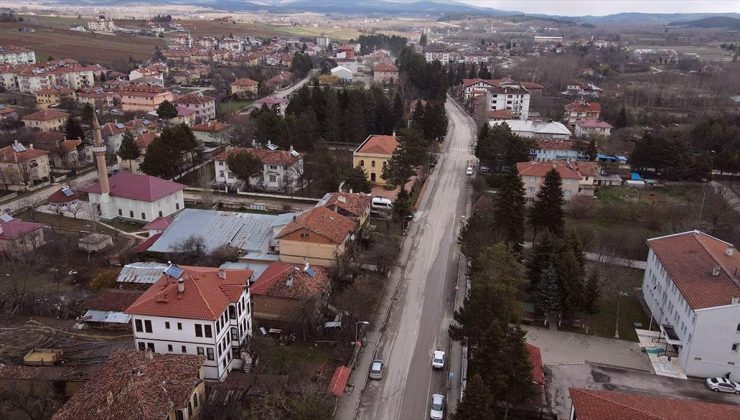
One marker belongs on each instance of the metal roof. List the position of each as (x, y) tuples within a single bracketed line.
[(257, 267), (106, 316), (141, 272), (244, 231)]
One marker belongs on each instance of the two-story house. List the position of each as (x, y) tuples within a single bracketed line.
[(692, 288), (244, 88), (590, 127), (318, 236), (281, 169), (356, 206), (46, 120), (196, 310), (204, 106), (550, 149), (373, 155), (385, 72), (533, 176), (143, 98), (21, 167), (580, 110), (18, 236)]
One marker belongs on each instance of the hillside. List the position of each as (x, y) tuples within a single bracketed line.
[(710, 22)]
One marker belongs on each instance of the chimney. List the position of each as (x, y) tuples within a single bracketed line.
[(306, 267), (730, 250), (289, 282), (222, 274), (180, 285), (394, 133), (291, 148)]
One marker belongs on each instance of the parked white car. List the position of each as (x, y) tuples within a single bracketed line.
[(376, 369), (722, 385), (469, 171), (438, 359), (438, 405)]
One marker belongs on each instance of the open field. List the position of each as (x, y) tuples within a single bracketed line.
[(705, 52), (62, 43)]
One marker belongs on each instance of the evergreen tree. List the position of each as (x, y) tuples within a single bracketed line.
[(402, 207), (476, 402), (356, 180), (547, 211), (161, 160), (541, 255), (244, 166), (423, 40), (509, 210), (591, 293), (479, 230), (87, 114), (166, 110), (571, 281), (549, 299), (73, 129), (622, 118), (483, 73), (128, 150), (397, 112), (412, 151), (417, 117), (321, 170), (592, 151)]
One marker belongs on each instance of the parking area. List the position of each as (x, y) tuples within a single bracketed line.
[(610, 378)]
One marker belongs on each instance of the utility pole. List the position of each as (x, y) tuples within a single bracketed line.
[(616, 328)]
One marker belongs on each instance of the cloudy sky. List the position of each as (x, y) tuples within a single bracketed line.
[(606, 7)]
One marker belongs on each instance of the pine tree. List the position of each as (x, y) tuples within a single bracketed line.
[(397, 112), (622, 118), (549, 299), (423, 40), (166, 110), (541, 255), (244, 166), (571, 281), (591, 293), (547, 211), (476, 402), (592, 151), (161, 160), (509, 210), (73, 129), (128, 150), (402, 207), (417, 117), (356, 180)]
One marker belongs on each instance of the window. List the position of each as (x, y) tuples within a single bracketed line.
[(232, 312), (160, 213), (131, 214), (274, 167), (738, 325), (148, 326), (169, 347), (141, 345), (372, 163), (167, 325), (209, 353), (139, 328), (177, 206), (120, 212), (200, 351), (143, 215), (195, 400), (198, 330), (179, 415), (179, 325), (150, 346), (234, 334), (362, 162), (209, 332), (735, 346), (273, 178)]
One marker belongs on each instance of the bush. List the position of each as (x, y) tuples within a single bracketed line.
[(104, 279)]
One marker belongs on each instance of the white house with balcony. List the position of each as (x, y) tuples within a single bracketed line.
[(197, 310), (281, 169), (692, 288)]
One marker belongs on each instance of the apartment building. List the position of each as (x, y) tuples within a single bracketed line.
[(12, 54), (692, 289), (143, 98), (29, 78), (281, 169), (533, 176), (204, 106), (196, 310)]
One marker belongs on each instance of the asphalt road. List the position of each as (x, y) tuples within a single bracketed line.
[(422, 310), (284, 93)]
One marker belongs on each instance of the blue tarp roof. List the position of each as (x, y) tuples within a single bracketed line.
[(636, 176)]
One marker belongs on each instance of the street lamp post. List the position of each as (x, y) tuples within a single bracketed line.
[(616, 328), (357, 324)]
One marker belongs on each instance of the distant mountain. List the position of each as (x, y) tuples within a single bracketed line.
[(710, 22), (654, 18)]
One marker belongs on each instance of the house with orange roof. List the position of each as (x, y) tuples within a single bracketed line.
[(385, 72), (580, 110), (143, 98), (373, 154), (285, 293), (212, 132), (203, 311), (356, 206), (46, 120), (49, 96), (204, 106), (22, 167), (317, 236), (692, 288), (244, 87), (533, 176), (281, 169)]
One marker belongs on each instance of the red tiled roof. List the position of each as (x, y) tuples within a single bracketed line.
[(130, 385), (145, 139), (160, 223), (9, 155), (353, 203), (110, 129), (274, 282), (378, 144), (113, 300), (582, 106), (323, 222), (470, 82), (532, 86), (70, 145), (267, 156), (49, 137), (137, 187), (540, 169), (184, 112), (587, 168), (385, 67), (244, 82), (608, 405), (535, 357), (193, 99), (690, 258), (45, 115), (206, 295), (551, 144), (15, 229), (501, 114), (593, 123), (59, 197), (211, 127), (144, 246)]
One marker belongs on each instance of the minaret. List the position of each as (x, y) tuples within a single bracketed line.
[(99, 153)]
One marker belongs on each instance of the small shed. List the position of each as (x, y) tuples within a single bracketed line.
[(95, 242), (343, 73)]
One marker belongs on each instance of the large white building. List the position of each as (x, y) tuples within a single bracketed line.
[(12, 54), (536, 129), (137, 197), (29, 78), (281, 169), (510, 97), (692, 288), (197, 310)]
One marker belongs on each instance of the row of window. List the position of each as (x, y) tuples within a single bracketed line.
[(372, 163), (143, 214)]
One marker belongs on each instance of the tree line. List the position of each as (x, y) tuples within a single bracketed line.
[(421, 79), (370, 43)]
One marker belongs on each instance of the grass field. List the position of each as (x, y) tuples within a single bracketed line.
[(227, 108), (218, 29), (51, 38)]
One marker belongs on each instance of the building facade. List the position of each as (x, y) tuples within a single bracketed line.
[(533, 176), (281, 169), (143, 98), (204, 106), (22, 167), (373, 155), (12, 54)]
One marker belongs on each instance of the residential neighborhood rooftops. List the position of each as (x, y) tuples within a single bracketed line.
[(63, 195), (136, 385), (384, 66), (593, 123), (583, 106), (540, 169), (291, 281), (211, 127), (323, 222), (206, 294), (705, 269), (45, 115), (16, 153), (12, 229), (378, 144), (244, 82), (141, 272), (266, 156), (193, 99), (608, 405), (137, 187), (354, 204)]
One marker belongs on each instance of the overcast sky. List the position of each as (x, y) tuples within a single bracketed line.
[(607, 7)]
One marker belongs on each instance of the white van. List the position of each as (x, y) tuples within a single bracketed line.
[(380, 203)]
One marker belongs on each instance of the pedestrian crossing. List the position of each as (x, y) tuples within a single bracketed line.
[(461, 149)]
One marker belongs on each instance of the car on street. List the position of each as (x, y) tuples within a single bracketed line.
[(469, 171), (376, 369), (438, 359), (722, 385), (438, 405)]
